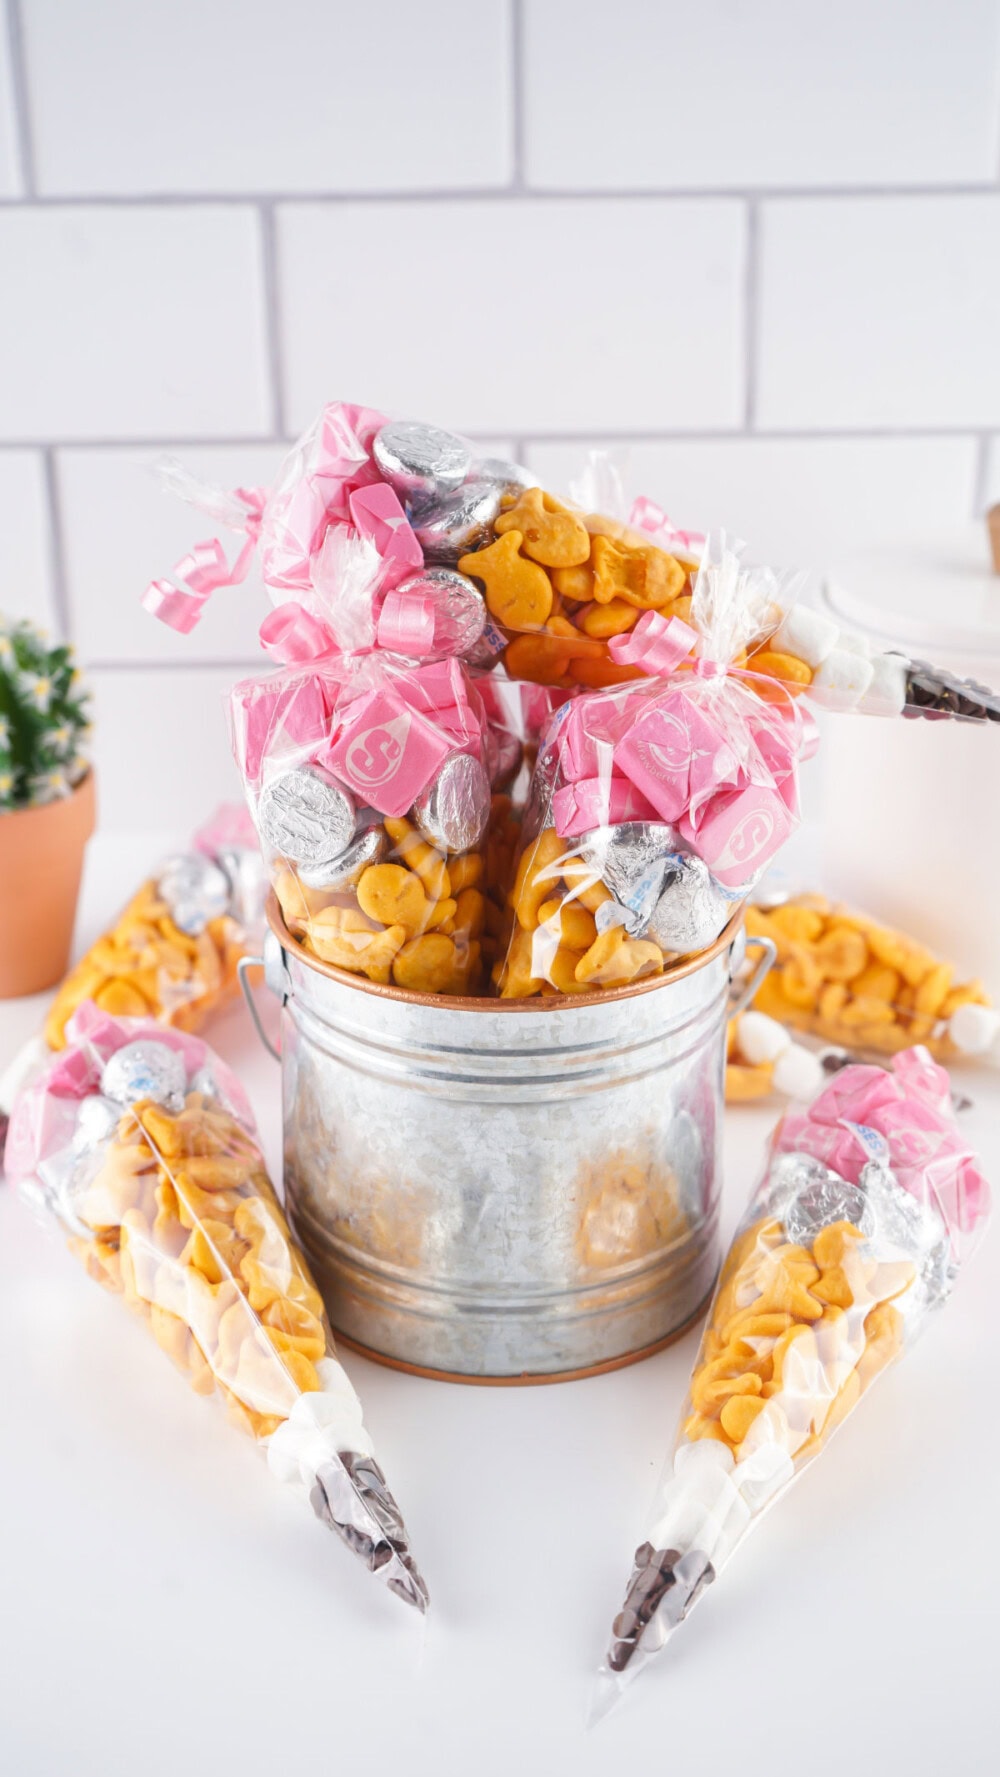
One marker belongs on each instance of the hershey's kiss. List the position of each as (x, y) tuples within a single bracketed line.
[(145, 1069), (447, 529), (305, 816), (418, 459), (452, 813), (823, 1201), (631, 859), (343, 871), (691, 911), (248, 883), (195, 889), (459, 607)]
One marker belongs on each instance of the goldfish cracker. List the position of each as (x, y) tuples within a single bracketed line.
[(518, 591), (418, 856), (793, 673), (392, 895), (611, 619), (427, 964), (645, 577), (537, 874), (549, 533)]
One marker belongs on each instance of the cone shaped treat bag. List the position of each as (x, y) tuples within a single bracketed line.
[(141, 1144), (173, 951), (869, 1204)]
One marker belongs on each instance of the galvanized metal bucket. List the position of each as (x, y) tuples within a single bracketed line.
[(498, 1190)]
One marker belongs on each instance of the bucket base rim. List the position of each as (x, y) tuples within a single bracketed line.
[(529, 1379)]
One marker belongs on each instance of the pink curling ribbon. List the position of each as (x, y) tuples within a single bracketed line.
[(204, 570), (646, 515), (656, 644), (291, 635), (406, 624)]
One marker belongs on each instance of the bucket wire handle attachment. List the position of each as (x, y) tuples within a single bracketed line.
[(243, 967), (741, 996)]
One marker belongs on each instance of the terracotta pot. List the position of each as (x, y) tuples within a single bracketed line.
[(41, 862)]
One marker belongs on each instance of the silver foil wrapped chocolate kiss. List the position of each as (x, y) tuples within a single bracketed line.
[(420, 460), (449, 528), (304, 816), (453, 811)]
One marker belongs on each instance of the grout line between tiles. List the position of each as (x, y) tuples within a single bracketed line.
[(56, 544), (509, 193), (19, 87), (272, 313), (750, 300), (517, 66)]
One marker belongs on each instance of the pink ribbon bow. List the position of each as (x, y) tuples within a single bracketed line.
[(204, 570), (646, 515)]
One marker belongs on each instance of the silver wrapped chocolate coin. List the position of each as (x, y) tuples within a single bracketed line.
[(507, 476), (631, 860), (304, 816), (691, 911), (459, 607), (826, 1200), (369, 847), (453, 811), (195, 889), (418, 459), (145, 1069), (447, 529)]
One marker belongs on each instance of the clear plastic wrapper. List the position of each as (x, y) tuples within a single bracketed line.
[(869, 1204), (141, 1144), (853, 983), (654, 808), (369, 786), (173, 951)]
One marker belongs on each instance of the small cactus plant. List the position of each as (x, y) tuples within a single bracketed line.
[(44, 724)]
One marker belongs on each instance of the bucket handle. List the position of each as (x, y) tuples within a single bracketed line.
[(243, 967), (741, 996)]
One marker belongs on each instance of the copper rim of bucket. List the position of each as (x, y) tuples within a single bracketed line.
[(537, 1003), (529, 1378)]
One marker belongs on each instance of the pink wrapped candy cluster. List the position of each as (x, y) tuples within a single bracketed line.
[(910, 1106)]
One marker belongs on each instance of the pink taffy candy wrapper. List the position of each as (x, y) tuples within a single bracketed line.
[(910, 1106)]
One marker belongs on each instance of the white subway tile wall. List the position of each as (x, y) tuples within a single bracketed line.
[(753, 248)]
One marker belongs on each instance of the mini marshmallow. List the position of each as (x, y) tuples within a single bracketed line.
[(702, 1454), (807, 634), (886, 695), (319, 1426), (798, 1073), (761, 1039), (762, 1474), (852, 642), (842, 680), (974, 1028)]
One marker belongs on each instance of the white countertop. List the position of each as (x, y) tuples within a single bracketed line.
[(168, 1609)]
